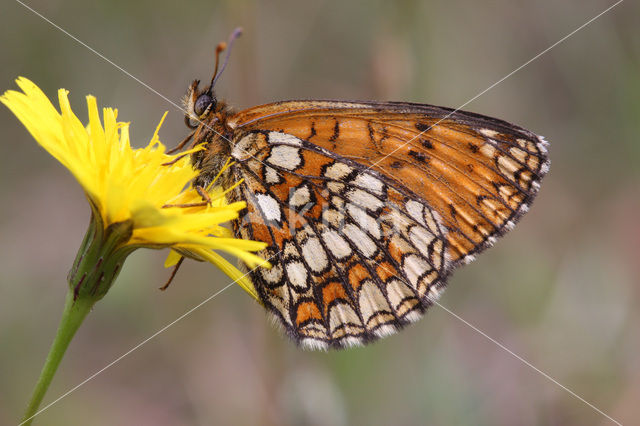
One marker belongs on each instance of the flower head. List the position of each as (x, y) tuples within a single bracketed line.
[(127, 188)]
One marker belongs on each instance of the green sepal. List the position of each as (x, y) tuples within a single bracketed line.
[(100, 258)]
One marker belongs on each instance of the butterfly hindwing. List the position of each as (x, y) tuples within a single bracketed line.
[(354, 258)]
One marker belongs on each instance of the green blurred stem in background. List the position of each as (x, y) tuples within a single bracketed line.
[(94, 270)]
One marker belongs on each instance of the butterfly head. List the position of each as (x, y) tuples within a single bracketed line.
[(199, 104)]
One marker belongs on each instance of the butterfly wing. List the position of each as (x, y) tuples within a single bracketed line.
[(367, 207)]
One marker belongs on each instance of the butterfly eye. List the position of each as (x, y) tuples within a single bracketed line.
[(202, 103)]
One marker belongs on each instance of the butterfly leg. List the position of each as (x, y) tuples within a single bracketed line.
[(206, 200), (175, 160), (204, 194), (173, 274), (181, 144)]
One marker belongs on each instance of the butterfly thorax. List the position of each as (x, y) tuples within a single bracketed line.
[(214, 132)]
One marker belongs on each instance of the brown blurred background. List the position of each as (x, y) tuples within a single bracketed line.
[(561, 290)]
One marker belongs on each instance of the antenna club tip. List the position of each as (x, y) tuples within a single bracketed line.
[(223, 46)]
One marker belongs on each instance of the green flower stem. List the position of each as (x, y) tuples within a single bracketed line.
[(98, 263), (74, 313)]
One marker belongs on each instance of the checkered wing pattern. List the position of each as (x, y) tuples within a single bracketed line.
[(368, 207)]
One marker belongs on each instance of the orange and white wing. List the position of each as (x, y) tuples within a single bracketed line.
[(368, 207)]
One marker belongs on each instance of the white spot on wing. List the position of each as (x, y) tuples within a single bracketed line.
[(285, 138), (488, 133), (285, 156), (420, 238), (335, 218), (290, 250), (364, 199), (341, 314), (414, 266), (337, 171), (245, 147), (314, 254), (365, 244), (272, 275), (297, 274), (366, 181), (397, 220), (271, 175), (371, 301), (335, 187), (300, 196), (414, 209), (364, 220), (336, 244), (269, 207), (397, 292)]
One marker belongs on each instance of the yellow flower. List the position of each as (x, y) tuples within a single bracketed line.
[(127, 189)]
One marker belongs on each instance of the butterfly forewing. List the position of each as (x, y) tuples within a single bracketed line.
[(367, 207)]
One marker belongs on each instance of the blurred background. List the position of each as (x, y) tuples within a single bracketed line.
[(561, 290)]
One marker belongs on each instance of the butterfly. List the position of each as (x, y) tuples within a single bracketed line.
[(366, 207)]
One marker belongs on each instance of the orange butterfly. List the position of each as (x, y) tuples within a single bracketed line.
[(367, 207)]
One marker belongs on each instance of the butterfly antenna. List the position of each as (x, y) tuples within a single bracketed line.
[(221, 47)]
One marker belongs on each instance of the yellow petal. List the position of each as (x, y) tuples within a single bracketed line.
[(172, 259)]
